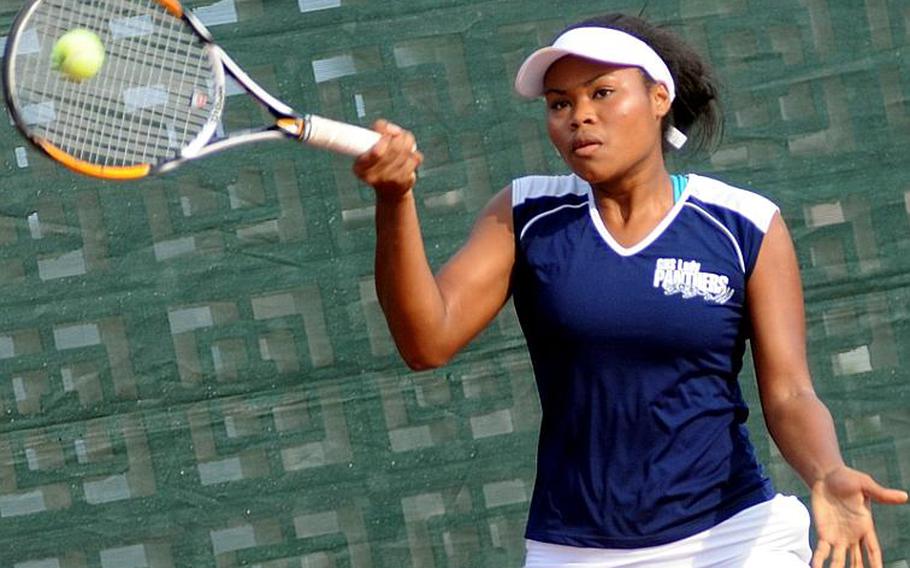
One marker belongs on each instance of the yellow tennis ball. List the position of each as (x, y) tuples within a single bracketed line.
[(79, 54)]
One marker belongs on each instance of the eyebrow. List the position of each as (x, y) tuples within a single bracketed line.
[(584, 84)]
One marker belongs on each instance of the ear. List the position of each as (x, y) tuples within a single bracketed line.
[(660, 100)]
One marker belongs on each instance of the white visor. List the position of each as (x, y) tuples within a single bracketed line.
[(606, 45)]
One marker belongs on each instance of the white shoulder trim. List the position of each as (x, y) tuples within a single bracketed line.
[(754, 207), (725, 231), (529, 187), (550, 212)]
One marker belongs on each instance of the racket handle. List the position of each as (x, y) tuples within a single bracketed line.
[(339, 137)]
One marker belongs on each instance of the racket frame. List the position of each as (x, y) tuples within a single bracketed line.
[(288, 123)]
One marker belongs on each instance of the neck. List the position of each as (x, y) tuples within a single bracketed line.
[(644, 190)]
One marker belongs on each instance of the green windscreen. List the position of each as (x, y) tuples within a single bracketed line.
[(194, 369)]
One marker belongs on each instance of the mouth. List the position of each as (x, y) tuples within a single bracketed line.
[(585, 146)]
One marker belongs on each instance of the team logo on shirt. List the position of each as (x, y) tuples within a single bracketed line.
[(678, 276)]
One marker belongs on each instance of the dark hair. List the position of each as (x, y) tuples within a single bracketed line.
[(696, 108)]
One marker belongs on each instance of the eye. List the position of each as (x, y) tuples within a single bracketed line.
[(602, 92), (557, 104)]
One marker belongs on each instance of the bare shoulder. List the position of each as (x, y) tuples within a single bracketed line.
[(777, 251), (499, 206), (475, 283), (489, 251)]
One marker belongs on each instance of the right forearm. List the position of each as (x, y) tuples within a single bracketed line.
[(405, 285), (432, 316)]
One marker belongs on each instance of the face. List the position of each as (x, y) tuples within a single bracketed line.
[(604, 120)]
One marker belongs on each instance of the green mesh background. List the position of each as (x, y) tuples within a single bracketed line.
[(194, 370)]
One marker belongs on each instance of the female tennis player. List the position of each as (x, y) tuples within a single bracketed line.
[(636, 291)]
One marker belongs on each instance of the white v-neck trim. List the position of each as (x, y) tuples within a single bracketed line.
[(656, 232)]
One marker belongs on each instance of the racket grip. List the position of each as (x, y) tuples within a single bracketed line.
[(339, 137)]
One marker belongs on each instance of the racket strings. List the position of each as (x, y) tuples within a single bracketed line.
[(168, 75), (153, 96), (75, 127)]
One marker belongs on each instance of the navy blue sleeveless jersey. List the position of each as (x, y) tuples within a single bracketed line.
[(636, 353)]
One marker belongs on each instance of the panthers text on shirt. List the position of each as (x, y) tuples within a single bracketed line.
[(678, 276)]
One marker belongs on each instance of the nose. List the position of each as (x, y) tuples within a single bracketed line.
[(582, 113)]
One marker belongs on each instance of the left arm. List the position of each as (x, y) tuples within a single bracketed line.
[(798, 421)]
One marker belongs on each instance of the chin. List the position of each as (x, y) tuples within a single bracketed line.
[(590, 175)]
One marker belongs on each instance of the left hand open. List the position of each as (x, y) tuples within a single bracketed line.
[(842, 509)]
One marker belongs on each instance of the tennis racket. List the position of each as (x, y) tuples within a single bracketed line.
[(155, 104)]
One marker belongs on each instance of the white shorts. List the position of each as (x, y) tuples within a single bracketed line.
[(771, 534)]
